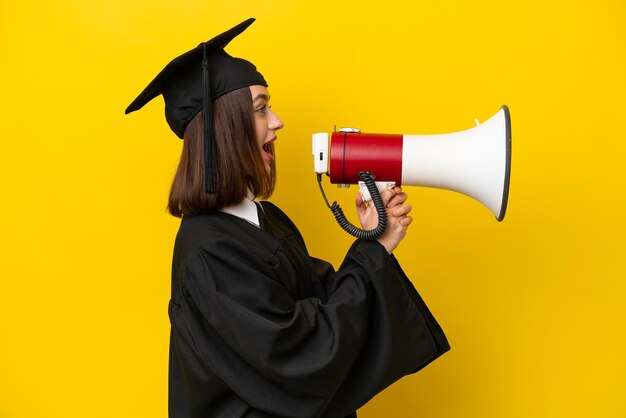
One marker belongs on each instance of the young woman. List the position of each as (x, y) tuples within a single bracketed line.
[(259, 327)]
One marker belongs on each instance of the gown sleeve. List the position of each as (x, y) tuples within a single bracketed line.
[(304, 358)]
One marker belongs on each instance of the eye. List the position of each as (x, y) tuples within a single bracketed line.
[(262, 109)]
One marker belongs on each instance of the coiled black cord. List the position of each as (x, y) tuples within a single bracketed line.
[(368, 179)]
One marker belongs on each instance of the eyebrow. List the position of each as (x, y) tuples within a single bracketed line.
[(262, 96)]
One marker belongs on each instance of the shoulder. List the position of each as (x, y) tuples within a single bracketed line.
[(272, 209), (276, 214), (218, 236), (195, 231)]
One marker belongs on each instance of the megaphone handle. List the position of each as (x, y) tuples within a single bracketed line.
[(380, 185), (368, 179)]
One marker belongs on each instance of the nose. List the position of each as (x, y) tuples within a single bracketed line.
[(275, 122)]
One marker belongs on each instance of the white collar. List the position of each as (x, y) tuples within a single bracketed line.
[(246, 209)]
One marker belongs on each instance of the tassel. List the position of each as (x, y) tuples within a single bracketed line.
[(210, 157)]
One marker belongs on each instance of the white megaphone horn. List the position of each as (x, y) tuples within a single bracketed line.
[(475, 162)]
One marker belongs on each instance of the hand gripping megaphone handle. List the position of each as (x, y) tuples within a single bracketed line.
[(370, 184)]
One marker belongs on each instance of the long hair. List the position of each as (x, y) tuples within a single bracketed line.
[(240, 165)]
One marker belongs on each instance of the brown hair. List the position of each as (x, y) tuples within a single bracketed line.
[(240, 165)]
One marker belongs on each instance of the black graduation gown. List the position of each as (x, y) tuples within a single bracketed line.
[(262, 329)]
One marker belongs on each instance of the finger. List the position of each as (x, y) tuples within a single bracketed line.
[(406, 221), (401, 210), (386, 195), (397, 200)]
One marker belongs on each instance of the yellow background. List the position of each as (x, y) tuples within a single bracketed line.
[(534, 307)]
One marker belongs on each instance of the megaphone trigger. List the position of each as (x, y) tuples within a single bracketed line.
[(380, 185)]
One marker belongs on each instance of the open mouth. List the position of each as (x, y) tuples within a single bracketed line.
[(268, 147)]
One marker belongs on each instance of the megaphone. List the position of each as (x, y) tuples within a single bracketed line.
[(475, 162)]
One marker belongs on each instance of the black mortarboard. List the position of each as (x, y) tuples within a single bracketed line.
[(192, 81)]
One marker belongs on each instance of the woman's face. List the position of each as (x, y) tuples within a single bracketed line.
[(266, 123)]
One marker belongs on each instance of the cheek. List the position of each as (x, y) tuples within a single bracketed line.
[(257, 128), (260, 127)]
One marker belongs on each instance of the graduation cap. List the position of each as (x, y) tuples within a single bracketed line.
[(190, 82)]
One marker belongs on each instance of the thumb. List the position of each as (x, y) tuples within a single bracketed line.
[(360, 203)]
